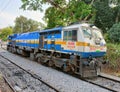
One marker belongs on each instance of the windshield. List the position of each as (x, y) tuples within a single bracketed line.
[(87, 32), (97, 33), (92, 32)]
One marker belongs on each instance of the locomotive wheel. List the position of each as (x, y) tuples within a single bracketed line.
[(50, 63), (39, 60), (65, 69)]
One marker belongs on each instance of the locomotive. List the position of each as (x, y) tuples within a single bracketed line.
[(77, 48)]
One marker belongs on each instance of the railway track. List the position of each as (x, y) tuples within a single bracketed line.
[(103, 82), (9, 84), (30, 73)]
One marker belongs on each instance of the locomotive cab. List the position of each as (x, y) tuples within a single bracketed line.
[(85, 43), (94, 51), (95, 41)]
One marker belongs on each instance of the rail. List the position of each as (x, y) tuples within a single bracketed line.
[(33, 75)]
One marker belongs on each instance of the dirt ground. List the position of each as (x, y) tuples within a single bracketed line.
[(108, 70), (3, 85)]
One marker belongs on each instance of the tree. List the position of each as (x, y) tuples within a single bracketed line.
[(77, 10), (117, 13), (22, 24), (61, 12), (106, 16), (114, 33), (54, 17), (38, 4), (5, 32)]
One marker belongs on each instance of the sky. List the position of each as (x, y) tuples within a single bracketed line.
[(10, 9)]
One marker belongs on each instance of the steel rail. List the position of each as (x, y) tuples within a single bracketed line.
[(110, 89), (115, 80), (33, 75), (9, 84), (86, 80)]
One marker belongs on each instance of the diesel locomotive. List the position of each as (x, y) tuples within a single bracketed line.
[(77, 48)]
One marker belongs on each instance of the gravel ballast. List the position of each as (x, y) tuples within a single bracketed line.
[(4, 87), (57, 79), (20, 80)]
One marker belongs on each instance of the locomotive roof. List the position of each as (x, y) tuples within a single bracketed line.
[(77, 25), (27, 35), (50, 30)]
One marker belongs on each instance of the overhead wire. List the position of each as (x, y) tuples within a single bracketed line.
[(6, 5)]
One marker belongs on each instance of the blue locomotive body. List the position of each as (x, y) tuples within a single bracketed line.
[(50, 37), (29, 39), (74, 47)]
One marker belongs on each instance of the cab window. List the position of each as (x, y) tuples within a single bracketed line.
[(74, 35), (70, 35), (65, 36), (87, 32)]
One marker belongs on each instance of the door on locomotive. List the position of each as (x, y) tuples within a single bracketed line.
[(41, 41), (52, 45)]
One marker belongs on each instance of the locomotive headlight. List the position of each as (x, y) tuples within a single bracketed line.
[(98, 40)]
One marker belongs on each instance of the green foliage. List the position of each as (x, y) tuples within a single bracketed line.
[(32, 4), (114, 33), (38, 4), (106, 37), (54, 15), (117, 13), (105, 17), (78, 11), (62, 12), (5, 32), (113, 55), (22, 24), (72, 13)]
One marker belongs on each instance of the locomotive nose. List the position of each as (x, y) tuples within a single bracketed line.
[(100, 42), (92, 63)]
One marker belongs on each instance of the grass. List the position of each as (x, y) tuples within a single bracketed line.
[(113, 56)]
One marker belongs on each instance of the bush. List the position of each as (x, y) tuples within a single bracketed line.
[(106, 37), (113, 55), (5, 32), (114, 33)]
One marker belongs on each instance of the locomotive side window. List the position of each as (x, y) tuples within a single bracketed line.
[(70, 35), (74, 35), (65, 36)]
